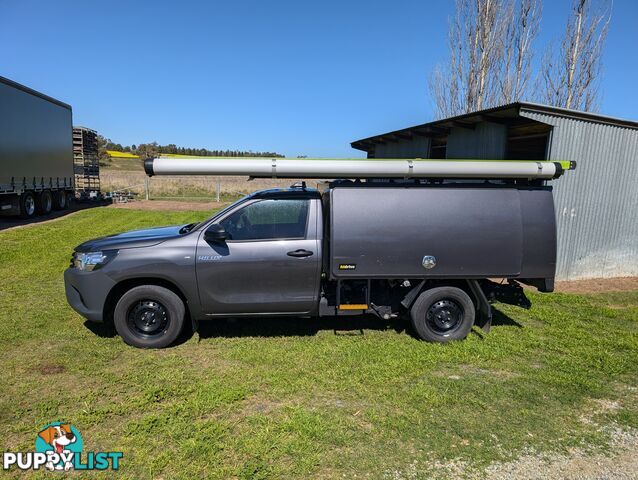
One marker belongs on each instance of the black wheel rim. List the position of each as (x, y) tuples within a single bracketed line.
[(444, 316), (29, 205), (148, 319)]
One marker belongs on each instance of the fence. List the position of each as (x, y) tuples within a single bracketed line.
[(220, 189)]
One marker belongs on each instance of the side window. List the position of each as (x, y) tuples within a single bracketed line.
[(268, 220)]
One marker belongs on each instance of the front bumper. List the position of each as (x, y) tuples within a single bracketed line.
[(86, 292)]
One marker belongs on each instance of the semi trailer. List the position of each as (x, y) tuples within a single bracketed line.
[(390, 241), (36, 156)]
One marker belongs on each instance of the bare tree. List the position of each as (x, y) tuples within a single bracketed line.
[(470, 80), (570, 78), (521, 32), (490, 45)]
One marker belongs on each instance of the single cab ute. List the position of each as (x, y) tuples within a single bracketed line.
[(380, 248)]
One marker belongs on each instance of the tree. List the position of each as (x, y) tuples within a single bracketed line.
[(102, 147), (153, 149), (472, 79), (570, 78), (147, 150), (521, 31)]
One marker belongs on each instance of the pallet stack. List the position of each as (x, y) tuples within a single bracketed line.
[(86, 164)]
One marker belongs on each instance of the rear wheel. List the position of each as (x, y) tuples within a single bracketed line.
[(70, 198), (59, 200), (149, 316), (443, 314), (27, 205), (44, 202)]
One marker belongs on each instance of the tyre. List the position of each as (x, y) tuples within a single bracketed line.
[(149, 316), (44, 202), (443, 314), (59, 200), (27, 205), (70, 198)]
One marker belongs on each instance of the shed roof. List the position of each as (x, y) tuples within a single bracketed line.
[(508, 114)]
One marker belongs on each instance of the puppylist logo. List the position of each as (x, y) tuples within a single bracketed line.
[(58, 446)]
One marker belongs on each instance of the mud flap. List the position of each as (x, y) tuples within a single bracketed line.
[(194, 324), (409, 299), (484, 309)]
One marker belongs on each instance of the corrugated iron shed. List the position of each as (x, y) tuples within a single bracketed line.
[(596, 206)]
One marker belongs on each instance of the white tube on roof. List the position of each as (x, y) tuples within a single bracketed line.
[(352, 168)]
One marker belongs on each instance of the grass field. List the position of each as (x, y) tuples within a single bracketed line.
[(277, 398), (123, 164)]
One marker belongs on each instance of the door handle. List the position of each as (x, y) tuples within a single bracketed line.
[(299, 253)]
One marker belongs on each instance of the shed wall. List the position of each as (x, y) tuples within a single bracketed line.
[(596, 205), (486, 141), (417, 147)]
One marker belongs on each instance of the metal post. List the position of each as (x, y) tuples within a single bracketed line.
[(146, 180), (218, 188)]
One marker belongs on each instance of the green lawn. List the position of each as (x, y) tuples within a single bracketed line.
[(277, 398)]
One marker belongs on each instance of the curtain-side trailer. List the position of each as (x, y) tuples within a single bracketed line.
[(36, 151)]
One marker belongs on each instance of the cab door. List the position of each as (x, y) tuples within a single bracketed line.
[(269, 262)]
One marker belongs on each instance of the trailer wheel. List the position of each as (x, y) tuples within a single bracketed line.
[(27, 205), (44, 202), (149, 316), (70, 198), (443, 314), (59, 200)]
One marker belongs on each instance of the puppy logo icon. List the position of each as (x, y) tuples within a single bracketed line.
[(62, 439), (59, 447)]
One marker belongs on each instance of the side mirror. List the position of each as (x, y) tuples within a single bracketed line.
[(215, 233)]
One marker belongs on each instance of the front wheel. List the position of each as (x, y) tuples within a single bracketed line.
[(149, 316), (443, 314)]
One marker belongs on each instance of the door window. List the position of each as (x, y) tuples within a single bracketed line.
[(268, 220)]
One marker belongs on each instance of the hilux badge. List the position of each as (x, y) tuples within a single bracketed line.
[(429, 262)]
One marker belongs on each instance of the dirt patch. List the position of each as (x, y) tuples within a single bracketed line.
[(598, 285), (256, 405), (620, 463), (51, 369), (170, 205), (458, 372)]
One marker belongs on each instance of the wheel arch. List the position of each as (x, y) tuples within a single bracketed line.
[(470, 286)]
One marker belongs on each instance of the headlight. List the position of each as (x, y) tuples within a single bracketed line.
[(89, 261)]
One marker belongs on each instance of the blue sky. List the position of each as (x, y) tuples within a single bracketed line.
[(300, 78)]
